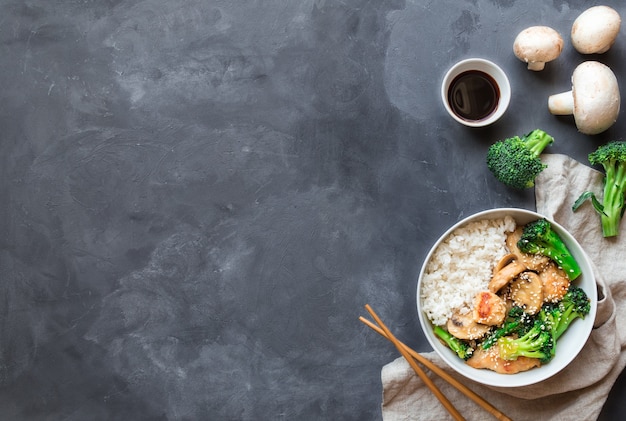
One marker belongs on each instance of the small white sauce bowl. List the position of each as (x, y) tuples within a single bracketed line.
[(484, 66)]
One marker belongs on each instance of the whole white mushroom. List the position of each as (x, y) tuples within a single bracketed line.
[(594, 99), (538, 45), (594, 31)]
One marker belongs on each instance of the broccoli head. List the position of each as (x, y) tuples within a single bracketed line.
[(538, 237), (460, 347), (515, 161), (612, 157), (536, 343)]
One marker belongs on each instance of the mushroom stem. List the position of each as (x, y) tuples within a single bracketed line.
[(561, 104), (536, 66)]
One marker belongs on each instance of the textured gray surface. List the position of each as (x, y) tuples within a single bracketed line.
[(200, 196)]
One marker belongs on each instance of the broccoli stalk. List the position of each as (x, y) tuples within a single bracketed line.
[(550, 315), (460, 348), (575, 304), (612, 156), (538, 237), (515, 161), (557, 317), (536, 343)]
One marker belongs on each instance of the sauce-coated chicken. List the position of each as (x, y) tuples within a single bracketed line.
[(555, 283), (490, 359), (489, 308)]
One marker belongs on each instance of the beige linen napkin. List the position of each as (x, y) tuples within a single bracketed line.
[(579, 391)]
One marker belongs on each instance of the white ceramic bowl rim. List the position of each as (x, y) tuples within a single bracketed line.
[(569, 345)]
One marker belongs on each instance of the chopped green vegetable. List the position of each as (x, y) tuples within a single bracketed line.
[(460, 348), (515, 161), (517, 322), (536, 343), (538, 237), (612, 157)]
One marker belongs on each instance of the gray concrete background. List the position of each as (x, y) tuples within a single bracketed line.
[(200, 196)]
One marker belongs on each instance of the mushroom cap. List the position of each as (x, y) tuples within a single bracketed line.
[(596, 97), (538, 44), (594, 31)]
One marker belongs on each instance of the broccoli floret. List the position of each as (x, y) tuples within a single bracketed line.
[(536, 343), (515, 161), (536, 336), (611, 156), (460, 347), (538, 237), (517, 322)]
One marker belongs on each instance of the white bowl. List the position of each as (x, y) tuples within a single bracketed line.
[(569, 345)]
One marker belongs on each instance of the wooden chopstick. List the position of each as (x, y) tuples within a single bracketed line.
[(418, 370), (441, 373)]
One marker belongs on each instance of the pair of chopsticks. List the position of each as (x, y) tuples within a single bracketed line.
[(411, 356)]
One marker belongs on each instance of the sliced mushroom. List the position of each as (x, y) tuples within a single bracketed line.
[(537, 45), (463, 326), (555, 283), (594, 99), (527, 292), (489, 309), (505, 260), (594, 31), (534, 262), (505, 275)]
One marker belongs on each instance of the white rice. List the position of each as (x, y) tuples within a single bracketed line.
[(462, 266)]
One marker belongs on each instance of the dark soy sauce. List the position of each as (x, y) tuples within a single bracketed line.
[(473, 95)]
